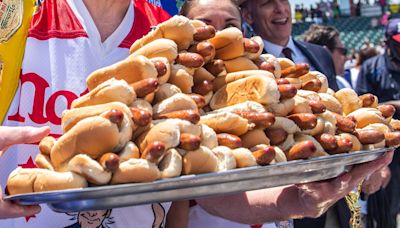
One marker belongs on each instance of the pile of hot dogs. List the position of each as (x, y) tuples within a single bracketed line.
[(191, 100)]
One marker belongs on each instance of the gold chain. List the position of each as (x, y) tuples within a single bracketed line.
[(355, 209)]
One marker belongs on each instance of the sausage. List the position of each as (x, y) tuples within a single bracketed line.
[(228, 140), (345, 124), (250, 46), (204, 49), (312, 85), (215, 67), (263, 65), (190, 60), (304, 120), (327, 141), (140, 117), (301, 150), (198, 99), (282, 81), (264, 156), (276, 136), (369, 136), (160, 67), (192, 116), (344, 146), (115, 116), (317, 107), (189, 142), (367, 99), (145, 86), (109, 161), (387, 110), (392, 139), (287, 91), (203, 87), (153, 152), (295, 71), (263, 120), (204, 33)]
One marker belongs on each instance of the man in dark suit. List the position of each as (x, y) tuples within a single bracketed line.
[(272, 20)]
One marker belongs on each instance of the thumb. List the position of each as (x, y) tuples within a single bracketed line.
[(21, 135)]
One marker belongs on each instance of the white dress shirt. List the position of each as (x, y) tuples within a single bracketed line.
[(276, 50)]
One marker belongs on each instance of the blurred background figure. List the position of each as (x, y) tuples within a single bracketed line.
[(329, 38), (362, 56), (381, 75)]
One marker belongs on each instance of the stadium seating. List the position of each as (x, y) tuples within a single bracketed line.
[(353, 31)]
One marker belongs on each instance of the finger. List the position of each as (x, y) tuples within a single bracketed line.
[(359, 172), (20, 135), (11, 210)]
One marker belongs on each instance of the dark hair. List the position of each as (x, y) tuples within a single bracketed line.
[(322, 35), (189, 4), (365, 54)]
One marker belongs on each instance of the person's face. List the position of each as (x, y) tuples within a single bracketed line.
[(339, 56), (91, 218), (219, 13), (271, 19)]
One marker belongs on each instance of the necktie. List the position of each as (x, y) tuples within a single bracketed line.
[(287, 52)]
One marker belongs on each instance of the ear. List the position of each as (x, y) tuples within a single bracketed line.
[(247, 16)]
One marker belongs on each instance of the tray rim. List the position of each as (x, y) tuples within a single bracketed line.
[(57, 195)]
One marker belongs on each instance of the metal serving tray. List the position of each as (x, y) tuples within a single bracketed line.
[(197, 186)]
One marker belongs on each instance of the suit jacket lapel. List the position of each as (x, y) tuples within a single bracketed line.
[(310, 56)]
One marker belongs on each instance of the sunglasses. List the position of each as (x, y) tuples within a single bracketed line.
[(341, 50)]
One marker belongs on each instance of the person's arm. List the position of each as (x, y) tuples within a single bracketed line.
[(178, 215), (295, 201), (8, 137)]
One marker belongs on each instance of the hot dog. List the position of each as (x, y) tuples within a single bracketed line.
[(263, 120), (276, 136), (215, 67), (301, 150), (264, 156), (327, 141), (204, 33), (109, 161), (205, 49), (160, 67), (282, 81), (263, 65), (387, 110), (392, 138), (304, 120), (345, 124), (369, 136), (140, 117), (313, 85), (367, 100), (115, 116), (250, 46), (189, 115), (229, 140), (287, 91), (344, 146), (203, 88), (198, 99), (190, 60), (153, 152), (189, 142), (145, 86), (295, 71), (317, 107)]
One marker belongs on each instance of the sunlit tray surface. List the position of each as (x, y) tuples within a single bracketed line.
[(196, 186)]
